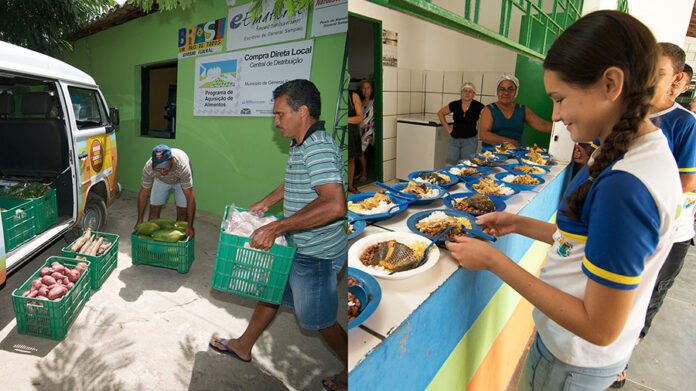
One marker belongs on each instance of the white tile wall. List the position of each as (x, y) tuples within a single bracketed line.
[(417, 103), (389, 149), (452, 82), (403, 105), (486, 99), (417, 81), (433, 81), (489, 83), (389, 124), (404, 80), (389, 79), (433, 102), (389, 100), (389, 169)]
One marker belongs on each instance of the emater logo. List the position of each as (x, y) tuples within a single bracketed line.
[(96, 157)]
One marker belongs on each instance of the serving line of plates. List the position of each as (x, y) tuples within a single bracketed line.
[(357, 220)]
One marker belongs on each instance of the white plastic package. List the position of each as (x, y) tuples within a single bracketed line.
[(245, 223)]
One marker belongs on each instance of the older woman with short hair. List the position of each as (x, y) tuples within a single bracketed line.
[(463, 141)]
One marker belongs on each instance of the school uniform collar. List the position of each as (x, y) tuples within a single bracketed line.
[(316, 127)]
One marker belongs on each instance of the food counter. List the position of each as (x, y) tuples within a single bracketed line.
[(451, 328)]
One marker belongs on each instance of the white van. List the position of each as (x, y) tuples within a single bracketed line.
[(55, 130)]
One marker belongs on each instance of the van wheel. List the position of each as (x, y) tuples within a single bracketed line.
[(95, 213)]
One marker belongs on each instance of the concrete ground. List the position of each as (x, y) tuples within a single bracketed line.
[(148, 328)]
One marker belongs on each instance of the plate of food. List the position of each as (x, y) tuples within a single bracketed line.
[(490, 156), (392, 255), (529, 169), (498, 149), (466, 173), (359, 311), (374, 206), (521, 181), (474, 204), (431, 223), (425, 192), (442, 179), (536, 158), (494, 188), (355, 228), (478, 162)]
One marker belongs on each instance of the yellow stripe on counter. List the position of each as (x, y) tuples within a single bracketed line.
[(576, 237), (688, 170), (607, 275)]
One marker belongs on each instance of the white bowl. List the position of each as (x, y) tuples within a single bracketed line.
[(359, 247)]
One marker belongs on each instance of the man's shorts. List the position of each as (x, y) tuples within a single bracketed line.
[(313, 282), (160, 192)]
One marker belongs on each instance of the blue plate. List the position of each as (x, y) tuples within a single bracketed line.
[(414, 219), (497, 158), (515, 190), (467, 178), (453, 178), (551, 162), (499, 176), (379, 216), (448, 201), (507, 154), (358, 227), (511, 168), (422, 201), (374, 295)]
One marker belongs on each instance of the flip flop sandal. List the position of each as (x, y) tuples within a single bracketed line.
[(227, 350), (622, 382), (334, 380)]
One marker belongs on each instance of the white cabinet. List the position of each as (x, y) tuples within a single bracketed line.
[(421, 144)]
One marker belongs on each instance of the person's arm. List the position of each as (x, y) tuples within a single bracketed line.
[(190, 210), (262, 206), (142, 201), (486, 130), (329, 206), (688, 182), (536, 122), (442, 113), (599, 318), (503, 223), (359, 115)]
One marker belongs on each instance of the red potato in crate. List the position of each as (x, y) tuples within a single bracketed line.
[(36, 284), (45, 271), (73, 275), (58, 275), (70, 285), (57, 292), (66, 281), (48, 280), (43, 291), (33, 293)]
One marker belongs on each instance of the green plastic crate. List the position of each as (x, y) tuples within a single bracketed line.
[(178, 255), (248, 272), (47, 318), (18, 221), (101, 265), (45, 211)]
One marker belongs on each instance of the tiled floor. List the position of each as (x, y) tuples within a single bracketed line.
[(666, 359)]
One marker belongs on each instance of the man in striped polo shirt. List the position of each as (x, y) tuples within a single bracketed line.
[(314, 209)]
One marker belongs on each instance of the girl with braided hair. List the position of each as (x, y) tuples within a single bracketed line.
[(613, 228)]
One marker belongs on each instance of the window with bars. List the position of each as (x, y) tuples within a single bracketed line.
[(498, 21)]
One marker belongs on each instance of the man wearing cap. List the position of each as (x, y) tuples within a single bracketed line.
[(466, 111), (503, 121), (314, 208), (169, 169)]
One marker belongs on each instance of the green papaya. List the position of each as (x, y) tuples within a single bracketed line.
[(163, 223), (168, 235), (146, 237), (181, 226), (146, 228)]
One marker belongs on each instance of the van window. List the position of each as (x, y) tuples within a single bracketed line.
[(89, 111)]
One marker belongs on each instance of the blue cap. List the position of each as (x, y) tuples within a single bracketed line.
[(161, 155)]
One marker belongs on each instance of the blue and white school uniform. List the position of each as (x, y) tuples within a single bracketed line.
[(679, 126), (621, 241)]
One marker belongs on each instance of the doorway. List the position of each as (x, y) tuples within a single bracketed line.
[(365, 64)]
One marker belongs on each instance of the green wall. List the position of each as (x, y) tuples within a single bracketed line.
[(235, 159), (532, 93)]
